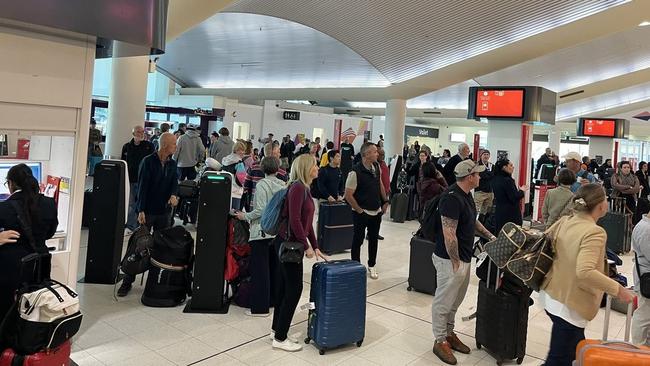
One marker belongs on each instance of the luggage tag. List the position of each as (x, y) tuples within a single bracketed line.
[(480, 258), (308, 306)]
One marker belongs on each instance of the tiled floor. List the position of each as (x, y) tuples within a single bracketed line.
[(398, 328)]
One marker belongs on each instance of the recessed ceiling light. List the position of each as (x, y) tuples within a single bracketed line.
[(644, 23)]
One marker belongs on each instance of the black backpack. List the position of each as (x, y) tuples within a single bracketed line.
[(173, 246), (431, 217), (138, 252)]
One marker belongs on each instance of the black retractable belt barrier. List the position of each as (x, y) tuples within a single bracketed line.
[(211, 239)]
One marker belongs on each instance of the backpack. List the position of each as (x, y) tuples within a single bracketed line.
[(173, 246), (138, 252), (315, 192), (271, 216), (430, 218)]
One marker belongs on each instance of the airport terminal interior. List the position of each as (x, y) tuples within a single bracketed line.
[(535, 82)]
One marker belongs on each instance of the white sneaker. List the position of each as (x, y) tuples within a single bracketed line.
[(373, 273), (287, 345), (293, 339), (248, 312)]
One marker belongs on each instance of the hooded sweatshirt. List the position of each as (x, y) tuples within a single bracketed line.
[(189, 149), (223, 147)]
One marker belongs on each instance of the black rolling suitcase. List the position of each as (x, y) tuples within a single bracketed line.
[(413, 205), (399, 207), (502, 318), (335, 227), (618, 226), (422, 273)]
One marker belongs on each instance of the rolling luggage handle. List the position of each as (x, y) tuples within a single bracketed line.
[(628, 319)]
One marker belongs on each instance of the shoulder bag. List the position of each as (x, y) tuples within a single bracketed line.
[(644, 279), (291, 251)]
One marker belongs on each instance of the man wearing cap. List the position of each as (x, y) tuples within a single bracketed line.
[(573, 162), (454, 234)]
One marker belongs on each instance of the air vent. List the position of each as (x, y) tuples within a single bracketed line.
[(572, 94), (353, 110), (431, 112)]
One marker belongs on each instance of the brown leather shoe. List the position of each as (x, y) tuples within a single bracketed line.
[(444, 353), (457, 345)]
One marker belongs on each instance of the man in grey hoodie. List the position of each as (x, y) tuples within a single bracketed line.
[(189, 152), (224, 145)]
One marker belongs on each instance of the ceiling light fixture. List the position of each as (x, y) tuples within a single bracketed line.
[(644, 23)]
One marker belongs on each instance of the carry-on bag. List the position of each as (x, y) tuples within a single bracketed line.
[(422, 273), (592, 352), (398, 207), (618, 226), (173, 246), (413, 211), (59, 356), (138, 252), (167, 285), (502, 319), (338, 293), (335, 227)]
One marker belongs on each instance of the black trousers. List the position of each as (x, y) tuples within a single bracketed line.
[(289, 289), (372, 223), (155, 222), (263, 264), (564, 340), (10, 280), (186, 173)]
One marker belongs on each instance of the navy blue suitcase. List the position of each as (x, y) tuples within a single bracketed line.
[(335, 227), (338, 291)]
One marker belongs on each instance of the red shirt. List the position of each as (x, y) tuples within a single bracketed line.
[(385, 176)]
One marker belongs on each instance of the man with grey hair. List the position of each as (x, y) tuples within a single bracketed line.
[(448, 171), (133, 152), (366, 195), (255, 173)]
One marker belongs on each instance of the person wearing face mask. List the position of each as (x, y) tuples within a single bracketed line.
[(133, 152), (626, 185), (573, 289), (506, 195), (37, 211)]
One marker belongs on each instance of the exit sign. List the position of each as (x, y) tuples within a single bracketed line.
[(291, 115)]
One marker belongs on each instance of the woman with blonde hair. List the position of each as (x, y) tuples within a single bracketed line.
[(573, 289), (298, 227)]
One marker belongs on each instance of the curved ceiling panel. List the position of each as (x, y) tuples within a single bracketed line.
[(231, 50), (405, 40)]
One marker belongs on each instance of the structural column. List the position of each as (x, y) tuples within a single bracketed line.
[(127, 98), (394, 132), (554, 137), (601, 146)]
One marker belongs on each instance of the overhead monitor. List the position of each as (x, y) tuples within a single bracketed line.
[(599, 127), (499, 103), (602, 127)]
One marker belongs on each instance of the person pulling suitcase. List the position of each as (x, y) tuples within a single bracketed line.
[(454, 235)]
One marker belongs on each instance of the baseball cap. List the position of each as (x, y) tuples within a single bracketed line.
[(467, 167), (573, 156)]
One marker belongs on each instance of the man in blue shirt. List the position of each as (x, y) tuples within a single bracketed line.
[(157, 187), (573, 162)]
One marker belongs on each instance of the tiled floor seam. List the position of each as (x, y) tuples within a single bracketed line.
[(428, 322)]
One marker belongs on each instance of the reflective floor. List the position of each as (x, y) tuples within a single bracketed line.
[(398, 328)]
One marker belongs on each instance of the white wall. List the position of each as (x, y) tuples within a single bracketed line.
[(251, 114)]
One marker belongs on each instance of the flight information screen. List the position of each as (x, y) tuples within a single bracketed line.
[(508, 103)]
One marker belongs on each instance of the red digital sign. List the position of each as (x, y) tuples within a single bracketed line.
[(599, 127), (495, 103)]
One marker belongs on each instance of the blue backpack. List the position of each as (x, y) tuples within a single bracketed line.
[(272, 214)]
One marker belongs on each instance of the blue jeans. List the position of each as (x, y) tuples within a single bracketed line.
[(564, 340), (132, 217)]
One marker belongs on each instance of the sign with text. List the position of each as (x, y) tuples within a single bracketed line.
[(291, 115), (421, 131), (507, 103)]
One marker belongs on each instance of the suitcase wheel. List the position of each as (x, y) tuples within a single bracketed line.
[(478, 345), (359, 343), (520, 360), (321, 352), (409, 288), (307, 340)]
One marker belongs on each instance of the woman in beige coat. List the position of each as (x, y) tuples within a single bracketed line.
[(574, 287), (558, 201)]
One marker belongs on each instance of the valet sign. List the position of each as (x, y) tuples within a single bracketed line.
[(421, 131)]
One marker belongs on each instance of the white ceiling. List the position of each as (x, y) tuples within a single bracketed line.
[(406, 39), (232, 50)]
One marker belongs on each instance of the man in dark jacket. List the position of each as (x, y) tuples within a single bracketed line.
[(157, 190), (448, 172), (347, 157), (483, 196), (286, 150), (330, 182), (544, 159), (133, 152)]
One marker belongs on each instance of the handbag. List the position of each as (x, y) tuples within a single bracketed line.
[(511, 238), (533, 262), (291, 251), (644, 279)]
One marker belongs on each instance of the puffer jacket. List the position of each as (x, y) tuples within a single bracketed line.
[(265, 189)]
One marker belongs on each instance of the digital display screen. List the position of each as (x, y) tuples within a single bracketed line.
[(494, 103), (4, 169), (599, 127)]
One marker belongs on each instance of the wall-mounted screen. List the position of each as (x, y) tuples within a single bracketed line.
[(599, 127), (495, 103)]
